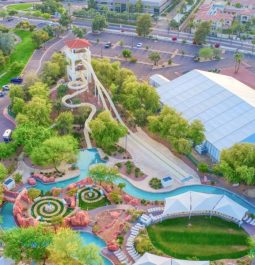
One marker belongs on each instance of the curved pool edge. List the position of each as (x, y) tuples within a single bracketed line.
[(222, 189), (101, 249)]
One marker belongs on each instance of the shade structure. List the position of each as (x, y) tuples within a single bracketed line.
[(203, 201), (228, 207), (199, 202), (188, 262), (177, 204), (150, 259), (225, 106)]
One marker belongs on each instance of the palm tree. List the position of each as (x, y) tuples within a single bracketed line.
[(238, 59)]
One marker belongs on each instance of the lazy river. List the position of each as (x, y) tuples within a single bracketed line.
[(89, 157)]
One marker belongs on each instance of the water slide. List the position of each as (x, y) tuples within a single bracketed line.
[(67, 102), (178, 172)]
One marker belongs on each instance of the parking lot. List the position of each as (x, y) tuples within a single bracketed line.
[(180, 54)]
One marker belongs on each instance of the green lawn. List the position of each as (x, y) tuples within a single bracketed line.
[(21, 54), (20, 7), (205, 238)]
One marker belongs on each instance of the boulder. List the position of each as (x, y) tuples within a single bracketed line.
[(112, 246), (80, 218), (134, 202), (56, 191), (31, 181), (127, 198)]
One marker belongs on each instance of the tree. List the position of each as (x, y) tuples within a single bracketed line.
[(206, 53), (238, 163), (202, 32), (103, 173), (99, 23), (173, 24), (55, 150), (196, 132), (65, 20), (26, 244), (79, 32), (39, 89), (64, 122), (238, 59), (39, 37), (33, 193), (7, 42), (67, 248), (92, 4), (50, 73), (16, 92), (106, 131), (60, 60), (126, 54), (3, 172), (139, 6), (38, 111), (82, 115), (143, 25), (2, 58), (30, 135), (154, 57), (17, 105)]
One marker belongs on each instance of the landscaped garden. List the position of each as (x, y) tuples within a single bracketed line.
[(91, 198), (48, 208), (203, 238)]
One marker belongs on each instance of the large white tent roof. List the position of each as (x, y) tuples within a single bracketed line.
[(204, 201), (150, 259), (225, 106), (230, 208), (177, 204), (191, 201)]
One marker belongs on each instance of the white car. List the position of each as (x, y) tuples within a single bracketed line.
[(6, 88), (139, 45)]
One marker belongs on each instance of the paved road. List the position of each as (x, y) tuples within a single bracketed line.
[(4, 123), (234, 44)]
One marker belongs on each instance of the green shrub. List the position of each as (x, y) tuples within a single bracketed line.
[(155, 183), (119, 165), (133, 60), (203, 167), (18, 177), (137, 172)]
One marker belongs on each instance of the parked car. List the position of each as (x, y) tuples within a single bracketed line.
[(217, 45), (108, 45), (10, 19), (139, 45), (5, 88), (1, 94), (174, 38), (16, 80)]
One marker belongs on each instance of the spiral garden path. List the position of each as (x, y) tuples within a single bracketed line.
[(48, 208)]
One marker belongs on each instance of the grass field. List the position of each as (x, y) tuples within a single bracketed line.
[(204, 238), (20, 7), (21, 54)]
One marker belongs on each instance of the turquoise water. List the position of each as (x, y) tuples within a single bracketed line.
[(89, 238), (7, 215)]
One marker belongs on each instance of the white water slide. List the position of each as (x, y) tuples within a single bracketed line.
[(156, 156)]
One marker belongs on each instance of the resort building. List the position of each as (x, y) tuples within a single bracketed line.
[(77, 50), (224, 105), (154, 7), (222, 14)]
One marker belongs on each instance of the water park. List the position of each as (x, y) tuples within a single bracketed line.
[(137, 204)]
